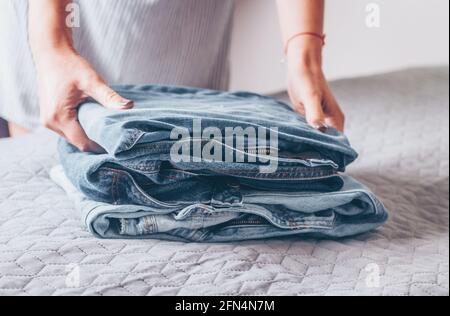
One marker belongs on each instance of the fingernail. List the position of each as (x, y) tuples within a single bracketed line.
[(321, 127), (125, 104), (96, 148)]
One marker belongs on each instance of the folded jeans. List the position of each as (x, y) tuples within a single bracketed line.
[(136, 189), (347, 212)]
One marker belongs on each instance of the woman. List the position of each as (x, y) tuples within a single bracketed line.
[(179, 42)]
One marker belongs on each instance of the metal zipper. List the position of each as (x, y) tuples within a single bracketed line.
[(246, 222)]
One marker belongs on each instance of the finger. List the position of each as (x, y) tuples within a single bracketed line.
[(50, 123), (314, 111), (75, 134), (55, 129), (297, 106), (106, 96), (335, 117)]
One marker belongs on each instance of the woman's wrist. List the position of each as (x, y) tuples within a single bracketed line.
[(305, 53), (47, 55), (49, 35)]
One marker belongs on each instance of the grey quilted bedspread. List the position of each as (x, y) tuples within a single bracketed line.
[(399, 123)]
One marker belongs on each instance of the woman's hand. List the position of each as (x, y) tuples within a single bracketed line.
[(308, 88), (65, 80)]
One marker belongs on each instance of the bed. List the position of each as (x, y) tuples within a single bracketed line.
[(399, 122)]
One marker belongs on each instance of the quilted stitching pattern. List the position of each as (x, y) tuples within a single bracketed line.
[(399, 124)]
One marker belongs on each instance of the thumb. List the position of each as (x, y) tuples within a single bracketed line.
[(314, 112), (107, 97), (74, 133)]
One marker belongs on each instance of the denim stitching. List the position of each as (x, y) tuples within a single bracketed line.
[(114, 188), (146, 198)]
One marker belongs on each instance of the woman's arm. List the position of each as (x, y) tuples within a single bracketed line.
[(308, 87), (47, 28), (65, 79)]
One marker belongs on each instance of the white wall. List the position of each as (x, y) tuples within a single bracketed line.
[(412, 33)]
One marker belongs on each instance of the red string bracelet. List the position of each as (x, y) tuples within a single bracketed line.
[(319, 36)]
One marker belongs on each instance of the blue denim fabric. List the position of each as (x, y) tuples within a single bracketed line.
[(135, 189), (351, 210)]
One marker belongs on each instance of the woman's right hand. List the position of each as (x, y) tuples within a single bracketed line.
[(65, 80)]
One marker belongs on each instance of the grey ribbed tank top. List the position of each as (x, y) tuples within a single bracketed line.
[(179, 42)]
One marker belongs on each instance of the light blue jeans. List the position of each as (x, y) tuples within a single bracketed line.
[(136, 189)]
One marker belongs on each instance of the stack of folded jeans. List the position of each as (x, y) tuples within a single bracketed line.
[(206, 166)]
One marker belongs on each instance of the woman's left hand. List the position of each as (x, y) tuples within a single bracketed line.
[(308, 88)]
